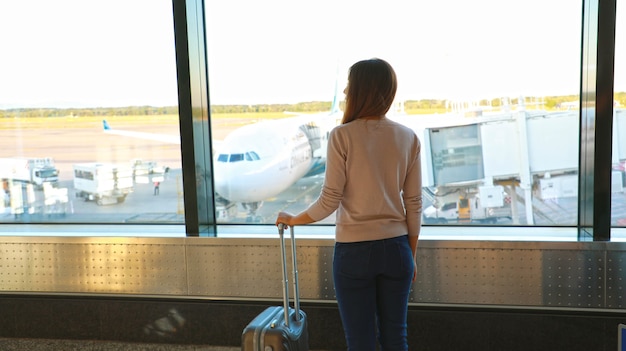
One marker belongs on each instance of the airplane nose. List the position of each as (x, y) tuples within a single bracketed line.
[(245, 181), (220, 182), (234, 181)]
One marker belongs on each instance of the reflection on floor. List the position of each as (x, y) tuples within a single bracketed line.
[(8, 344)]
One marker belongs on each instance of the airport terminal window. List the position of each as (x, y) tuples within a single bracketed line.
[(89, 129), (496, 110), (275, 87)]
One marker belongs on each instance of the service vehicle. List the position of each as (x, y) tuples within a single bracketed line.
[(488, 205), (29, 170), (103, 183)]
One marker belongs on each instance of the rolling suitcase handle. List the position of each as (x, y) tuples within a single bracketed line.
[(296, 290)]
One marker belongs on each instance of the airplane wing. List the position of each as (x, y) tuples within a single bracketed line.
[(166, 138)]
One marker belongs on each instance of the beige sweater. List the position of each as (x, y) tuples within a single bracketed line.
[(373, 180)]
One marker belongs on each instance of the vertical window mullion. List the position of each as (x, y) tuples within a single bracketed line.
[(191, 62), (596, 123)]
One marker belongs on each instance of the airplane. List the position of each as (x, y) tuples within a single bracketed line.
[(259, 161)]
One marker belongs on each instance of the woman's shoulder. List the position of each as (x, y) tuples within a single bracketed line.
[(400, 127), (345, 128)]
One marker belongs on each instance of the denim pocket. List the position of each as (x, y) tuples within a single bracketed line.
[(352, 260), (404, 255)]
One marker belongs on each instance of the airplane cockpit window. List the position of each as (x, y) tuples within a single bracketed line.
[(248, 156), (252, 156), (235, 158)]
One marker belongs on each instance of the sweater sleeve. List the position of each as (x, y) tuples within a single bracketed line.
[(334, 180), (412, 193)]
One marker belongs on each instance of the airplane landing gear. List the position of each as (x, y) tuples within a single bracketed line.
[(251, 208)]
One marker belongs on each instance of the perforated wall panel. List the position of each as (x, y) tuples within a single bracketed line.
[(580, 275)]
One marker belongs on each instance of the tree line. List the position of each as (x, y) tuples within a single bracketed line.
[(411, 106), (304, 107)]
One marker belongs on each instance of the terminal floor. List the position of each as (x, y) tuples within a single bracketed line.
[(9, 344)]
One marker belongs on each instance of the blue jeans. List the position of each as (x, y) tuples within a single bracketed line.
[(372, 285)]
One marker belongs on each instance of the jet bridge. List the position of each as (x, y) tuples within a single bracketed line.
[(524, 149)]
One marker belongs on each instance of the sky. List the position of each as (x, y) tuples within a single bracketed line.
[(79, 53)]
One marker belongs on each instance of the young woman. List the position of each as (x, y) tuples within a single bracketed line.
[(373, 181)]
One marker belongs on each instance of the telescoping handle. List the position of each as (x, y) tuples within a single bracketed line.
[(296, 290)]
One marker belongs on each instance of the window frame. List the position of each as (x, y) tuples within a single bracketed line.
[(596, 119), (194, 117), (596, 115)]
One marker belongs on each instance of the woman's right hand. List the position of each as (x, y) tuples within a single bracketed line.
[(285, 218)]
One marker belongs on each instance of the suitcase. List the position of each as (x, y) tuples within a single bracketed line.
[(280, 328)]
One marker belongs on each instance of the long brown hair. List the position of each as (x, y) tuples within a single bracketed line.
[(372, 86)]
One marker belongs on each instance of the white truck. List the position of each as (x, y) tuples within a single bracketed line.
[(487, 206), (29, 170), (104, 183)]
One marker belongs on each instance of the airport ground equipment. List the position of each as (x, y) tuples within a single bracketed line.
[(143, 169), (488, 205), (225, 210), (29, 170), (280, 327), (102, 182), (55, 200)]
